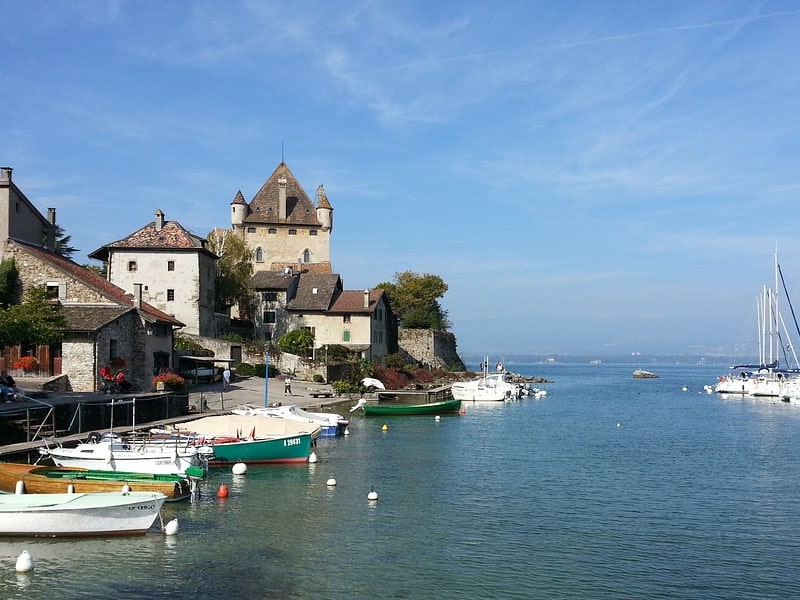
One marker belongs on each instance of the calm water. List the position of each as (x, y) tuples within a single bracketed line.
[(609, 487)]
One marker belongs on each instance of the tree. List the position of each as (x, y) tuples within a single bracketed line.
[(299, 341), (62, 243), (34, 321), (414, 298), (8, 282), (233, 270)]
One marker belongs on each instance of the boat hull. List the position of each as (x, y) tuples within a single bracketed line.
[(432, 408), (78, 515), (290, 449), (55, 480)]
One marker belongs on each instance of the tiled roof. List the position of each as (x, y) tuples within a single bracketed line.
[(271, 280), (95, 282), (172, 236), (315, 292), (299, 208), (352, 301), (91, 318)]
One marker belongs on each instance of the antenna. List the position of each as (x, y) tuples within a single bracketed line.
[(281, 151)]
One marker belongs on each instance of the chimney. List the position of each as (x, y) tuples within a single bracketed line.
[(282, 198), (51, 216), (137, 296), (159, 220), (366, 298), (5, 174)]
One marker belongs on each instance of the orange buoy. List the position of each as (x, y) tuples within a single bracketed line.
[(463, 411), (222, 492)]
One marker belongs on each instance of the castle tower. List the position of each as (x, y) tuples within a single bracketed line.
[(324, 209)]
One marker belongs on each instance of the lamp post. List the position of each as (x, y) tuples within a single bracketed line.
[(266, 380)]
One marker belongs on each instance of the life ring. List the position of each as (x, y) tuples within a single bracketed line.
[(94, 437)]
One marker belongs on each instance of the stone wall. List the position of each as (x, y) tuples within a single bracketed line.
[(436, 349)]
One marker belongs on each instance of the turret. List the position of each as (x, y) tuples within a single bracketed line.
[(238, 209), (324, 210)]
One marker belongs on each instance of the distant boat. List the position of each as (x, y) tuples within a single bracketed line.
[(642, 374), (79, 515)]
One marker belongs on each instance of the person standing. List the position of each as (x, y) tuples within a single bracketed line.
[(226, 378), (287, 386)]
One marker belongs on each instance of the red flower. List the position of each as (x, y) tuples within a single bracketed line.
[(26, 363)]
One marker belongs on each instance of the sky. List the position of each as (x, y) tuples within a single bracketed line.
[(599, 177)]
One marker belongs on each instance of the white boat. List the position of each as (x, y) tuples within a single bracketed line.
[(331, 424), (94, 514), (490, 387), (111, 452)]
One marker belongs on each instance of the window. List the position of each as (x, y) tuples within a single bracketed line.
[(251, 230), (293, 232), (346, 335), (306, 256), (170, 265), (269, 296), (272, 231), (379, 314), (345, 318), (269, 316), (131, 266), (113, 348), (52, 290), (259, 255), (170, 295), (312, 232)]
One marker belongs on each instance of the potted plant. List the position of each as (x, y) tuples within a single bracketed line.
[(170, 382), (28, 364)]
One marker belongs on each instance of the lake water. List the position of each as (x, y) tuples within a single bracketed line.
[(609, 487)]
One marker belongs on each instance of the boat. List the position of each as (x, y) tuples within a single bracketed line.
[(642, 374), (489, 387), (111, 452), (79, 515), (399, 409), (45, 479), (249, 439), (330, 424)]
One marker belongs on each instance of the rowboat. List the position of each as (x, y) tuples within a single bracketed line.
[(111, 452), (430, 408), (250, 439), (79, 515), (45, 479)]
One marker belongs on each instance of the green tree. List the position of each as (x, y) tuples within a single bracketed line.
[(34, 321), (8, 282), (233, 271), (299, 341), (63, 241), (414, 299)]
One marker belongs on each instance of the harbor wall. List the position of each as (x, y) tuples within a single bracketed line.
[(433, 349)]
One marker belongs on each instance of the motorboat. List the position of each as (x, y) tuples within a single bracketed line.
[(331, 424), (79, 515), (491, 387)]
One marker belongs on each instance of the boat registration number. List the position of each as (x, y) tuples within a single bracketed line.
[(143, 507), (292, 442)]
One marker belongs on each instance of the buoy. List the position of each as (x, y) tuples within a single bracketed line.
[(239, 468), (385, 427), (331, 482), (685, 389), (312, 458), (222, 492), (24, 562), (346, 431), (373, 495), (19, 488), (463, 411), (126, 489), (618, 424), (70, 489), (171, 528), (437, 418)]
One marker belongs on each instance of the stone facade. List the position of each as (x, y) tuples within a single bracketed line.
[(436, 349)]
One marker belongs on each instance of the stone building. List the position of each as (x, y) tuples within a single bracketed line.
[(283, 227), (20, 219), (103, 321), (175, 268)]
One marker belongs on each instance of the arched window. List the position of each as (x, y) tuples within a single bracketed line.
[(259, 255), (306, 256)]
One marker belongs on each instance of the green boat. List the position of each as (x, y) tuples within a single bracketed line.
[(430, 408)]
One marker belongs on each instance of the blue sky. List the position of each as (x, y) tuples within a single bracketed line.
[(587, 177)]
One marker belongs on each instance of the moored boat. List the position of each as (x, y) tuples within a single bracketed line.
[(44, 479), (399, 409), (79, 515), (330, 424), (642, 374)]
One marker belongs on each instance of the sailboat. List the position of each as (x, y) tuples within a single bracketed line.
[(767, 377)]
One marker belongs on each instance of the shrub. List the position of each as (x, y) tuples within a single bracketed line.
[(345, 387), (318, 378), (26, 363), (172, 382), (245, 370)]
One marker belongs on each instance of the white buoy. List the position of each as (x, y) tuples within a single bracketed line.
[(685, 389), (373, 495), (126, 489), (171, 528), (70, 489), (239, 468), (346, 431), (312, 458), (437, 418), (331, 482), (618, 425), (19, 488), (24, 562)]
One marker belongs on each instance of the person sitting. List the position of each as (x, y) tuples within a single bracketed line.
[(7, 386), (123, 384)]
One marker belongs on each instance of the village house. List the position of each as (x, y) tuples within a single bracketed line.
[(20, 219), (175, 268)]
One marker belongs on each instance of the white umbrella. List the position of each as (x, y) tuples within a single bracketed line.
[(372, 382)]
